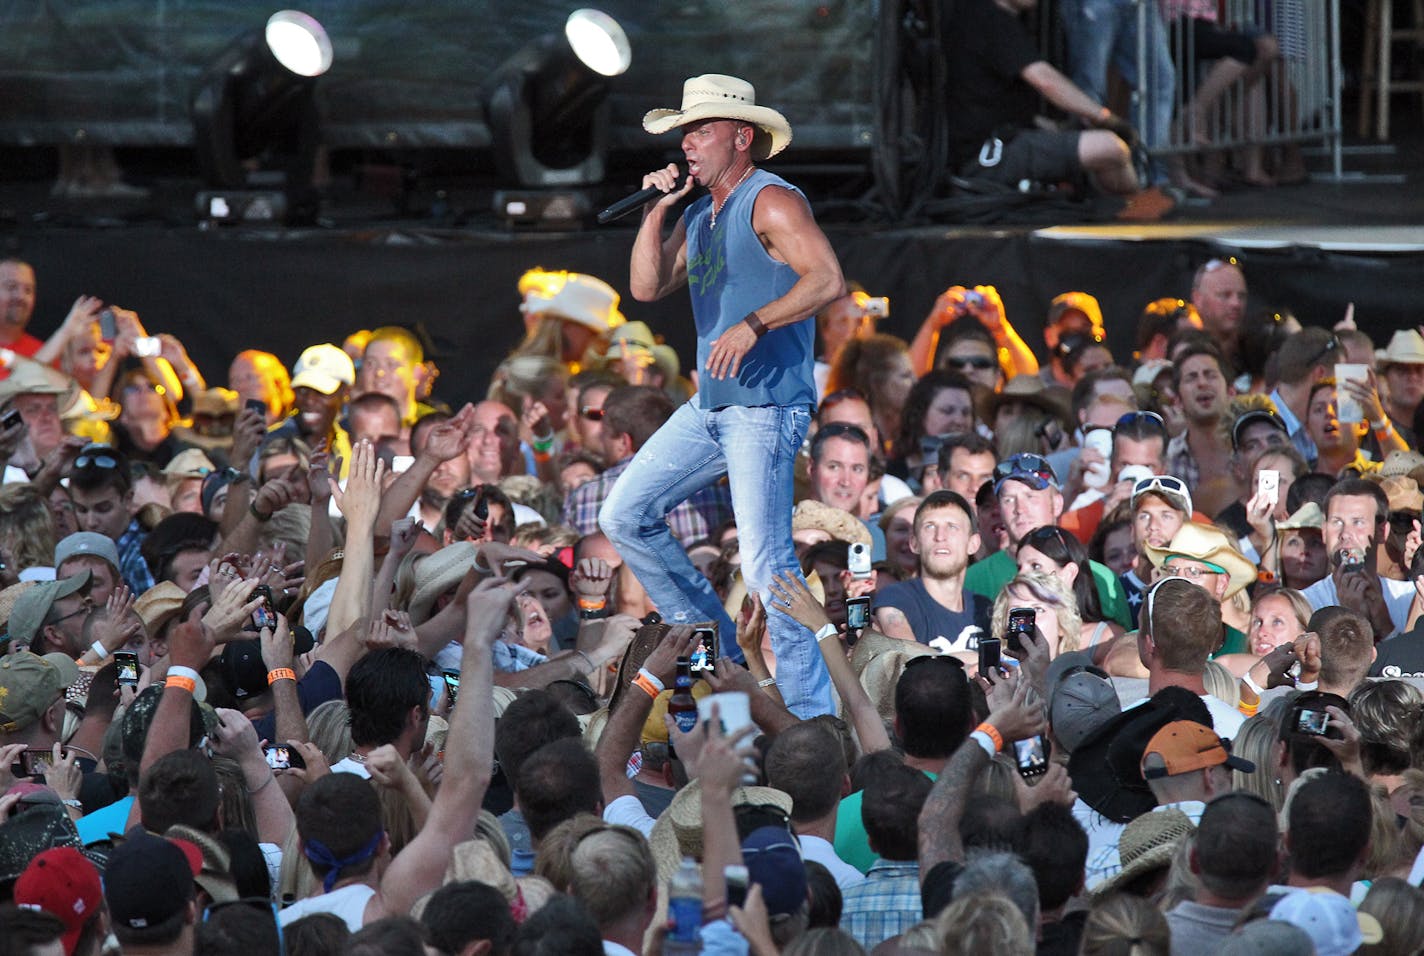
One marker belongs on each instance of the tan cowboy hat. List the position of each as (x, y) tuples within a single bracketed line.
[(1403, 493), (678, 832), (1406, 347), (579, 298), (1148, 843), (637, 337), (1202, 543), (31, 378), (1407, 463), (1307, 515), (717, 96), (437, 573), (1034, 391), (839, 524), (884, 662)]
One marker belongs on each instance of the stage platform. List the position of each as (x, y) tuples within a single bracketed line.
[(1313, 248)]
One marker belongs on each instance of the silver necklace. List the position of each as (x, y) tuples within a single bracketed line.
[(716, 209)]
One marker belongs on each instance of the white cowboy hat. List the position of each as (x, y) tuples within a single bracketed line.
[(579, 298), (716, 96), (1406, 347)]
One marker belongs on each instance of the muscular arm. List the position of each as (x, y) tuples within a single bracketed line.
[(891, 622), (943, 808), (658, 265), (784, 222)]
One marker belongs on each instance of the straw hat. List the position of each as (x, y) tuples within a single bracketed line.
[(8, 598), (32, 378), (839, 524), (1409, 463), (878, 662), (678, 832), (158, 605), (437, 573), (1403, 494), (1406, 347), (639, 338), (717, 96), (1307, 515), (216, 402), (1147, 844), (571, 295), (1202, 543)]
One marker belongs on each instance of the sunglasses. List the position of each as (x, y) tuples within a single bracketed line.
[(961, 362), (105, 458), (1213, 264), (1049, 532), (1159, 483), (591, 414), (1191, 574), (1024, 463), (1332, 344), (1138, 419)]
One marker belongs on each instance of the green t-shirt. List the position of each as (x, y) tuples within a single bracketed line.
[(852, 845), (989, 576)]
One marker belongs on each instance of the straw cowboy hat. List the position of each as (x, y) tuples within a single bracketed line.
[(716, 96), (637, 337), (1148, 843), (1208, 545), (678, 831), (580, 298), (1406, 347)]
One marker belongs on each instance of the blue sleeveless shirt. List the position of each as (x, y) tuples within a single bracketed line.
[(730, 274)]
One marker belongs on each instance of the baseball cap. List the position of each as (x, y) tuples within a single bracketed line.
[(149, 879), (1033, 470), (1080, 302), (1169, 487), (325, 368), (774, 860), (87, 542), (32, 607), (241, 662), (1082, 700), (1185, 745), (29, 685), (64, 883), (1250, 418), (1329, 919)]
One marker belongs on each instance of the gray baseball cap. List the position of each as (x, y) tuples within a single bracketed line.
[(32, 607), (1082, 699), (87, 542)]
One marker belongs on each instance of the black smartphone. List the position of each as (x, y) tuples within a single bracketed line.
[(1312, 723), (108, 327), (127, 664), (11, 419), (481, 505), (990, 654), (704, 657), (1031, 755), (35, 763), (452, 684), (257, 405), (264, 616), (1022, 620), (857, 613), (737, 878), (281, 757)]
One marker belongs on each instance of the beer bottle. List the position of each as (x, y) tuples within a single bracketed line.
[(681, 706)]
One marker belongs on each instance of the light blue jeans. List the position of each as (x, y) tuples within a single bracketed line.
[(756, 449), (1100, 32)]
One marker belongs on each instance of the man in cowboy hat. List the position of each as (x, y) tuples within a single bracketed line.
[(1401, 365), (757, 267)]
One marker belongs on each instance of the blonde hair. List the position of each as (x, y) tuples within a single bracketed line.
[(1123, 925), (1256, 742), (329, 727), (1221, 683), (555, 860), (1053, 592), (26, 527), (525, 376), (983, 924), (1399, 907)]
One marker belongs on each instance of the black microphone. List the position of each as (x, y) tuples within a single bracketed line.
[(636, 201)]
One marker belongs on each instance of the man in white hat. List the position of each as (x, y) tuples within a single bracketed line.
[(757, 267), (1401, 365), (321, 381)]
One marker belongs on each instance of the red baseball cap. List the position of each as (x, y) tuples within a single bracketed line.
[(62, 882)]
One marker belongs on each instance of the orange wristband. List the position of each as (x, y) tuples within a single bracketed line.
[(280, 673), (646, 686), (992, 732), (177, 680), (592, 604)]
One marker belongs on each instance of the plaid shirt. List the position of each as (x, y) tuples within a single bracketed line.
[(692, 520), (885, 905), (132, 566), (1180, 463)]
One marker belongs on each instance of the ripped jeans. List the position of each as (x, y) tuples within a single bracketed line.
[(756, 449)]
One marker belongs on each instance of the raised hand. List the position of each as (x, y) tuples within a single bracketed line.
[(361, 499), (404, 533), (228, 614), (794, 598)]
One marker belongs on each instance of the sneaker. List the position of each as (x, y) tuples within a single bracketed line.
[(1148, 205)]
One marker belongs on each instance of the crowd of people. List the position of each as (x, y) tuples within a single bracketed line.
[(1080, 651)]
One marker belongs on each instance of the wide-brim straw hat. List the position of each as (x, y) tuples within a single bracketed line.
[(878, 662), (1406, 347), (718, 96), (1201, 543), (1148, 843), (678, 831), (437, 573), (638, 337)]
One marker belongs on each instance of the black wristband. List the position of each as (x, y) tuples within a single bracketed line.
[(596, 615), (754, 322), (257, 514)]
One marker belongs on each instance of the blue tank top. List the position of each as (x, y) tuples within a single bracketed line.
[(729, 274)]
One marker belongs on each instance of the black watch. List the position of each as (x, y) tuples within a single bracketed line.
[(234, 477)]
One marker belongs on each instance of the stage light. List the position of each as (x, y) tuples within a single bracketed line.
[(255, 123), (547, 105)]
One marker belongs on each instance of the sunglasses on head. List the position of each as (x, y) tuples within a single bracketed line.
[(97, 457), (1332, 344), (1049, 532), (591, 414), (961, 362), (1136, 419), (1024, 463), (1213, 264), (1159, 483)]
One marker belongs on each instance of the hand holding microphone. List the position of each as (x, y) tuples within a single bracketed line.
[(659, 183)]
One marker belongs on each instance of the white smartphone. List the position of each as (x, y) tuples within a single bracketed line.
[(1268, 485), (147, 346), (400, 463), (1346, 408)]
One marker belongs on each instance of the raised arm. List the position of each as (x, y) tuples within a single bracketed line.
[(359, 503), (469, 760), (443, 442), (659, 266), (621, 734)]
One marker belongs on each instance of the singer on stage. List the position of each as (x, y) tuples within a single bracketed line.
[(757, 267)]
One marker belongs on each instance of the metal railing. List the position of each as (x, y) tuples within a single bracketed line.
[(1295, 99)]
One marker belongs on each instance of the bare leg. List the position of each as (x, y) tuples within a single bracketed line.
[(1109, 161)]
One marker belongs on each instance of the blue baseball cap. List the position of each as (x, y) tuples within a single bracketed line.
[(1033, 470)]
